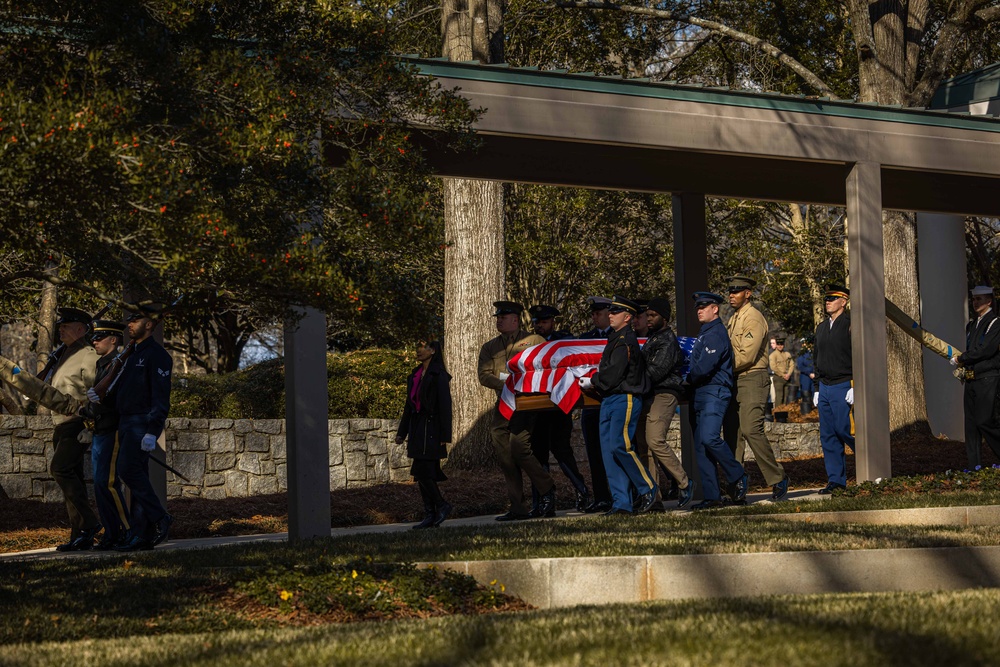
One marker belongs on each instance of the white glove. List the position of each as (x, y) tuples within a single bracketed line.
[(85, 437), (148, 442), (585, 383), (503, 376), (850, 396), (953, 360), (92, 395), (815, 399)]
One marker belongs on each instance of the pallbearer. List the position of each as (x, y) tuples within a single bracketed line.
[(621, 381)]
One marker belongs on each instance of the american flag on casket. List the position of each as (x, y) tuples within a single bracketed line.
[(554, 368)]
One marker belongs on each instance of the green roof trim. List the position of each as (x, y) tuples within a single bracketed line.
[(975, 86), (587, 81)]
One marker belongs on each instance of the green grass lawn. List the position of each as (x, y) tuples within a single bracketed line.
[(951, 629)]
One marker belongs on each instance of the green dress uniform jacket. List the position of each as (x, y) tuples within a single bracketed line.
[(496, 352), (72, 377), (748, 335)]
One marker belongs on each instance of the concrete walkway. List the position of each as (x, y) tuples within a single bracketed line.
[(208, 542), (558, 582)]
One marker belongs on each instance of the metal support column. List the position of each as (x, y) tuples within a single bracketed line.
[(868, 336), (690, 275), (306, 417)]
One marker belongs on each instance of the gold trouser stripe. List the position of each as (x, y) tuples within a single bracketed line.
[(851, 412), (628, 443), (112, 478)]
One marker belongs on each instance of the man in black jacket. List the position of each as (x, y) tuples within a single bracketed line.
[(590, 418), (142, 398), (835, 395), (621, 380), (663, 361), (981, 362), (554, 428)]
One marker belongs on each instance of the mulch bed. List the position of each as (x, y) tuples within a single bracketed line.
[(28, 524)]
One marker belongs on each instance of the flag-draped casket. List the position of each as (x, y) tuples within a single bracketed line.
[(554, 368)]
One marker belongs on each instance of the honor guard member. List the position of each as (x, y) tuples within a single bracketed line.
[(834, 370), (73, 375), (142, 398), (711, 378), (744, 422), (590, 418), (106, 336), (554, 428), (512, 439), (640, 324), (981, 363), (663, 362), (622, 382), (782, 366)]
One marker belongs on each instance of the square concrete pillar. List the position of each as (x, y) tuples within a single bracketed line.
[(868, 337), (307, 437), (690, 275)]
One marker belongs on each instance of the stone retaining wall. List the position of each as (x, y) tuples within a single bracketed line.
[(227, 458)]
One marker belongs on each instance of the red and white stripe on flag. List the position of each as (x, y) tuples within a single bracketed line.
[(553, 368)]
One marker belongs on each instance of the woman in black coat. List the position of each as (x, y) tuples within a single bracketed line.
[(426, 426)]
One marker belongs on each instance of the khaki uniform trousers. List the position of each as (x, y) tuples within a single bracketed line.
[(744, 423), (780, 385), (651, 439), (512, 440), (67, 469)]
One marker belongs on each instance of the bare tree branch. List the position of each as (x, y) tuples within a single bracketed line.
[(770, 49)]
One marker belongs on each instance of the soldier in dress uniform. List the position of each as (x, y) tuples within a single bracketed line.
[(512, 439), (782, 365), (622, 382), (744, 422), (835, 394), (554, 428), (590, 418), (711, 378), (981, 362)]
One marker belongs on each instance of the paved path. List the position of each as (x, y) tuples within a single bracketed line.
[(207, 542)]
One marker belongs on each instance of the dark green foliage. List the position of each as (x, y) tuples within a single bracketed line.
[(366, 384), (366, 588), (982, 479)]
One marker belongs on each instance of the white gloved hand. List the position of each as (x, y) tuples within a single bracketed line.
[(815, 399), (585, 383), (953, 360), (850, 396), (503, 376), (92, 395), (148, 442), (85, 437)]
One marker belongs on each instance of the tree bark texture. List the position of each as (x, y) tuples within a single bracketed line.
[(474, 251), (907, 400)]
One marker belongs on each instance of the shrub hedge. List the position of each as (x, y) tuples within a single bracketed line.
[(366, 383)]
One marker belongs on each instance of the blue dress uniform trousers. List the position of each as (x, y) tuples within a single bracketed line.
[(619, 417), (835, 429), (133, 468), (108, 492), (710, 405)]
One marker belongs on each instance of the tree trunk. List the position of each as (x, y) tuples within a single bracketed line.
[(474, 251), (907, 401), (46, 327)]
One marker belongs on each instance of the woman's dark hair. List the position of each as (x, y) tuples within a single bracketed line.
[(438, 359)]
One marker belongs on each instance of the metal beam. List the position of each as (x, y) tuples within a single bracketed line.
[(868, 336), (690, 275), (307, 435)]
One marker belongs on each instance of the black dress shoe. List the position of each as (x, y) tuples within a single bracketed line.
[(598, 506), (738, 490), (511, 516), (107, 544), (617, 511), (82, 542), (582, 500), (547, 505), (707, 505), (161, 529), (830, 488), (645, 501), (134, 543)]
